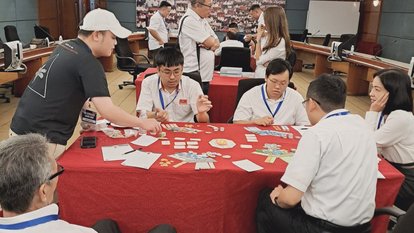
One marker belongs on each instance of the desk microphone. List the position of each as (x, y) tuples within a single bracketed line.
[(379, 51), (47, 33)]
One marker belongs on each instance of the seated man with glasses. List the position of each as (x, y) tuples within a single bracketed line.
[(28, 181), (170, 96), (331, 181), (273, 102)]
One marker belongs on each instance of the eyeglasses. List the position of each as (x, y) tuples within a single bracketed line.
[(304, 102), (168, 73), (209, 6), (283, 83), (59, 172)]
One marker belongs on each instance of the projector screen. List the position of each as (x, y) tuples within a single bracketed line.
[(333, 17)]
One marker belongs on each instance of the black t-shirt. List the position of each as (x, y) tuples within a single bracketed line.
[(52, 101)]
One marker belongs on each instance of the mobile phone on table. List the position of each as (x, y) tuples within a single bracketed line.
[(88, 142)]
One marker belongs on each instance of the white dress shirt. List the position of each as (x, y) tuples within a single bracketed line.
[(195, 31), (228, 43), (276, 52), (395, 137), (157, 23), (252, 106), (52, 225), (335, 165), (182, 106)]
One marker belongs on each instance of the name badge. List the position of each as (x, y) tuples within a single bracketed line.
[(183, 102), (89, 116)]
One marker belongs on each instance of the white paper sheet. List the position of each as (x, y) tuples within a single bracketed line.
[(247, 165), (380, 175), (144, 140), (141, 159), (116, 152)]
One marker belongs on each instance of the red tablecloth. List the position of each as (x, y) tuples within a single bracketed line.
[(222, 93), (219, 200)]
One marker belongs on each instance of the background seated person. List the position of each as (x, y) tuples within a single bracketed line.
[(231, 41), (239, 35), (28, 179), (331, 181), (391, 117), (273, 102), (170, 96)]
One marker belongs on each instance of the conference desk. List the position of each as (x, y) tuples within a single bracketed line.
[(33, 59), (216, 200), (222, 93), (358, 67)]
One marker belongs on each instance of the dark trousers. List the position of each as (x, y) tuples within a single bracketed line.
[(206, 86), (271, 218), (110, 226), (405, 197)]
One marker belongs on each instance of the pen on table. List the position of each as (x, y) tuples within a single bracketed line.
[(129, 152)]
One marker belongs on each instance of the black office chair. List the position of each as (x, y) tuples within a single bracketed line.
[(235, 57), (42, 32), (243, 86), (404, 220), (10, 32), (126, 61), (195, 76), (350, 40), (3, 95), (326, 40), (291, 58), (304, 37)]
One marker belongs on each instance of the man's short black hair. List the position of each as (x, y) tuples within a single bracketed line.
[(233, 25), (329, 91), (231, 35), (165, 4), (168, 57), (278, 66), (254, 7)]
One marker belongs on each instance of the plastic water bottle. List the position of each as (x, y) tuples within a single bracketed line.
[(60, 39), (352, 50), (47, 41)]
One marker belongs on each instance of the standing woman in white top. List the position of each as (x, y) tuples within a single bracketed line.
[(273, 39), (391, 116)]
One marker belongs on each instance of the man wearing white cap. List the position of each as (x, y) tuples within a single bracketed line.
[(52, 101)]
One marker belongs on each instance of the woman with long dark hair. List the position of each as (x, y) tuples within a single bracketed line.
[(391, 116)]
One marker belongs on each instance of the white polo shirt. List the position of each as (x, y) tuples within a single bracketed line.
[(228, 43), (181, 104), (335, 165), (276, 52), (260, 21), (196, 30), (395, 137), (291, 110), (50, 224), (157, 23)]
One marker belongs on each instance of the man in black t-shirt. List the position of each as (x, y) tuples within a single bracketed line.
[(51, 103)]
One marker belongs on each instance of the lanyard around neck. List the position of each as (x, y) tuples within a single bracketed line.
[(30, 223), (267, 104), (380, 120), (338, 114), (162, 99)]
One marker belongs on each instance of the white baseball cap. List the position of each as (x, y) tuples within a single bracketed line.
[(102, 20)]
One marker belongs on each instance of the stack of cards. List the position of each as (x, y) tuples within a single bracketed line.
[(251, 138)]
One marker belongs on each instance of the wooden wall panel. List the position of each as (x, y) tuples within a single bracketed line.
[(369, 21)]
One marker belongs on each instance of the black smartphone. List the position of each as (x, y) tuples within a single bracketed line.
[(88, 142)]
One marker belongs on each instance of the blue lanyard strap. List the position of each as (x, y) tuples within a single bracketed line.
[(267, 105), (338, 114), (380, 121), (162, 99), (30, 223)]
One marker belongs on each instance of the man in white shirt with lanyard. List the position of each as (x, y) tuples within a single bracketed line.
[(198, 41), (28, 179), (158, 30), (170, 96), (331, 181), (273, 102)]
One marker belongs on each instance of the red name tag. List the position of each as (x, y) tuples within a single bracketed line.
[(183, 102)]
